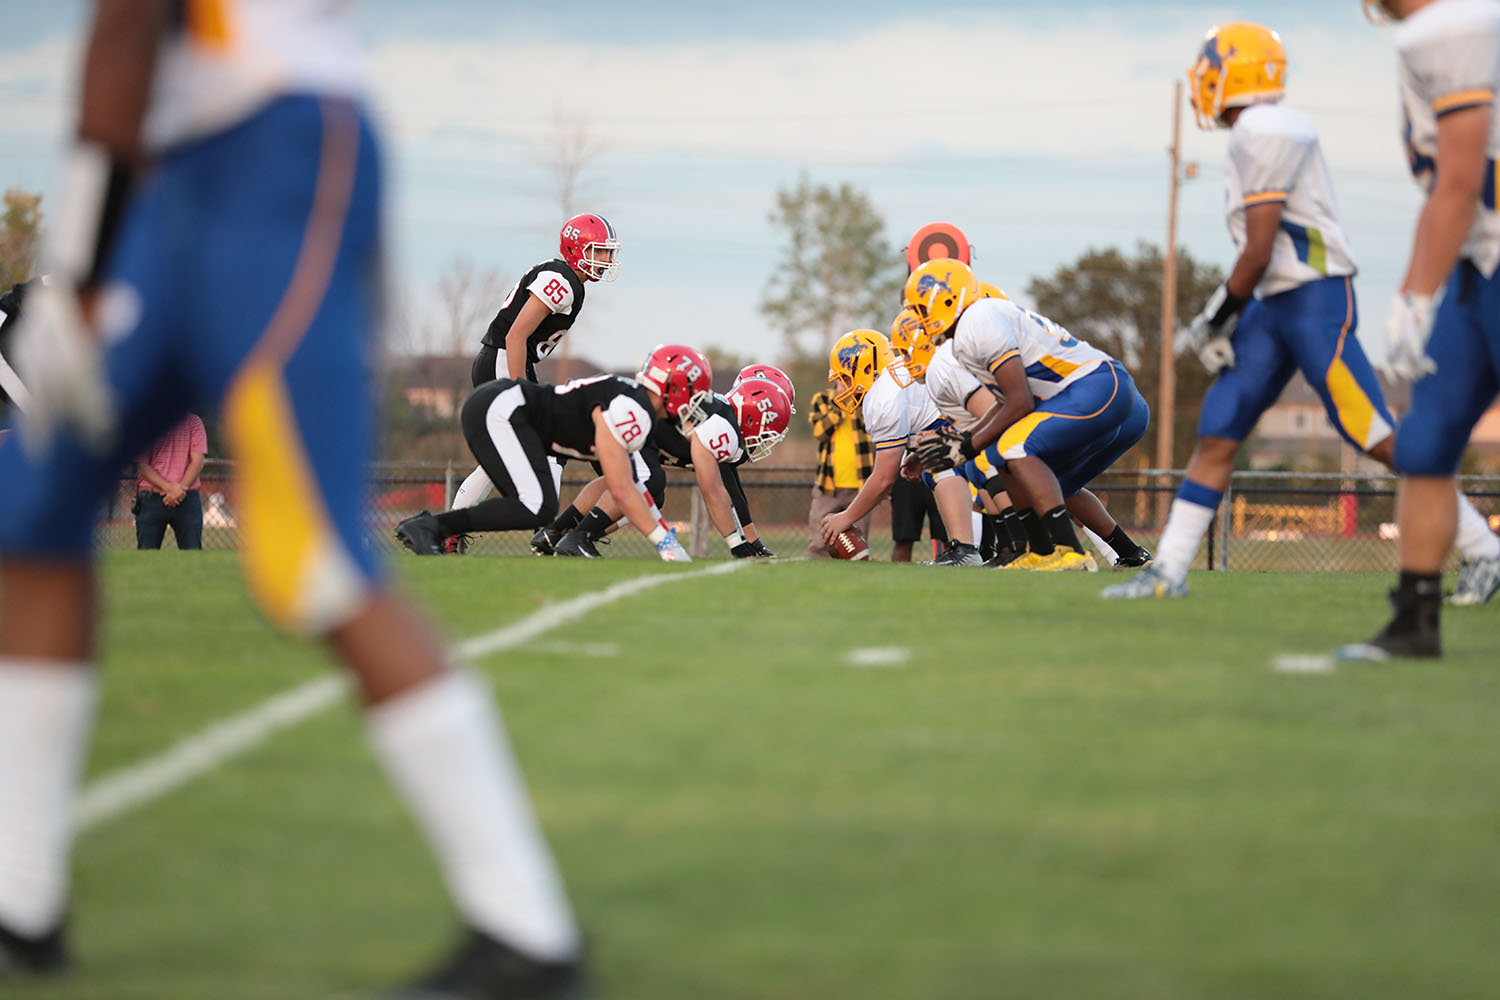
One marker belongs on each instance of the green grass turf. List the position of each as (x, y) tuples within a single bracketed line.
[(1055, 797)]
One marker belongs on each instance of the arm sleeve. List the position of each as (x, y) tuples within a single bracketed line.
[(991, 339), (731, 477), (1268, 162), (1458, 67), (553, 289)]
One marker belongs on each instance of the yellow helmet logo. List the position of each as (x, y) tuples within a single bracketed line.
[(856, 361), (1239, 65), (938, 292)]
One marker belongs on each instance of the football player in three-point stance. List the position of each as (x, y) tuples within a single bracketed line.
[(1067, 410), (1444, 327), (514, 426), (1288, 304), (868, 376), (742, 426), (535, 316)]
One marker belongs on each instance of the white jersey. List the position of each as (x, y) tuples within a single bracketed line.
[(894, 414), (950, 385), (1450, 60), (1275, 157), (992, 331), (228, 58)]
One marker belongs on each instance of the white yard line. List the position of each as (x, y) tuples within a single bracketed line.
[(125, 790)]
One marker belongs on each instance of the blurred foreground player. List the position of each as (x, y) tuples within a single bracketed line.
[(240, 273)]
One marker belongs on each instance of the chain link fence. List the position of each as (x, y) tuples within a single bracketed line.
[(1268, 521)]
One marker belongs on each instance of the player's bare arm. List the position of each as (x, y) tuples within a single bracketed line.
[(711, 485), (615, 462), (1262, 222), (876, 488), (1448, 215), (531, 316), (1017, 401)]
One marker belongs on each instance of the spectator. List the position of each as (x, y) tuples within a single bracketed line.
[(845, 459), (167, 490)]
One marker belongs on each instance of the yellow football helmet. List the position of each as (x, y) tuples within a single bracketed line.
[(856, 361), (912, 342), (938, 292), (1240, 64), (989, 291)]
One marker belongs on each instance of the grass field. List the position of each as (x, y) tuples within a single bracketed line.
[(1053, 797)]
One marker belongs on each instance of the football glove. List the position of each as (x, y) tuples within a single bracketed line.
[(945, 448), (61, 363), (670, 549), (1406, 334), (761, 550), (1209, 333), (744, 550)]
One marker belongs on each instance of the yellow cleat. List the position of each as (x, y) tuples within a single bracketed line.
[(1065, 559), (1028, 560)]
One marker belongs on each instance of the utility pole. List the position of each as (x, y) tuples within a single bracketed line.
[(1166, 404)]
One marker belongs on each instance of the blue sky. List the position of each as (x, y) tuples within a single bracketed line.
[(1040, 128)]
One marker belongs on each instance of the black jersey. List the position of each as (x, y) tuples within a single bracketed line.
[(560, 288), (10, 315), (564, 414), (720, 434)]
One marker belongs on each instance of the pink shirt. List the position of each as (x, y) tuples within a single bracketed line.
[(170, 456)]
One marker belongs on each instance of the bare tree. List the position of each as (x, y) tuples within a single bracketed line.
[(20, 235), (570, 149), (467, 298)]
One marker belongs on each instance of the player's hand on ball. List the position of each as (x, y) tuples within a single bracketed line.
[(944, 448), (832, 525), (1406, 335)]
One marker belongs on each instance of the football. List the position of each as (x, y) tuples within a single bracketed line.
[(850, 544)]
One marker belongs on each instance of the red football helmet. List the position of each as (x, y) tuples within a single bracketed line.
[(589, 244), (763, 412), (772, 374), (682, 378)]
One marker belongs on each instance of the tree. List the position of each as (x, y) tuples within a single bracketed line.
[(1113, 301), (20, 235), (570, 149), (837, 271)]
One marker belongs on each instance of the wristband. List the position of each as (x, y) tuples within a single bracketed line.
[(657, 534), (734, 538), (1222, 305), (95, 186)]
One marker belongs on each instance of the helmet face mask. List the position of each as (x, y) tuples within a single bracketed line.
[(910, 340), (764, 414), (1240, 64), (590, 245)]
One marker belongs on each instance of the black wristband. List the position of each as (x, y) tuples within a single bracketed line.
[(1229, 306)]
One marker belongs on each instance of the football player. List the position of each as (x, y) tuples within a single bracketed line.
[(1287, 305), (514, 426), (742, 426), (537, 313), (965, 400), (868, 376), (211, 136), (1067, 410), (1443, 332)]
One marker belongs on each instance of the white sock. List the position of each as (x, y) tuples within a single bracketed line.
[(1109, 554), (1475, 539), (472, 490), (976, 525), (46, 712), (444, 748), (1186, 525)]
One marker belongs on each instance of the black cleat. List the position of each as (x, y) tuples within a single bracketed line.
[(1004, 557), (482, 968), (457, 545), (576, 543), (421, 534), (1413, 632), (24, 957), (544, 542), (1141, 558), (959, 554)]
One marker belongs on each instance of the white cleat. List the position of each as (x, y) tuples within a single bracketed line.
[(1478, 579), (1149, 582)]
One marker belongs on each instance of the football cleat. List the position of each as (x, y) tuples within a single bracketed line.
[(1026, 560), (421, 534), (544, 542), (1478, 579), (1412, 632), (576, 543), (39, 956), (1003, 558), (1142, 558), (959, 554), (1149, 582), (482, 968), (457, 545), (1066, 559)]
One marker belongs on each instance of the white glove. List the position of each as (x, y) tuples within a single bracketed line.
[(62, 364), (671, 550), (1406, 334), (1210, 330), (1217, 354)]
